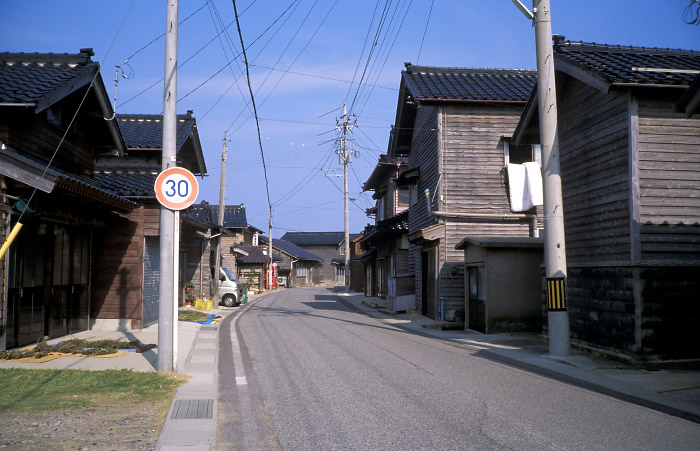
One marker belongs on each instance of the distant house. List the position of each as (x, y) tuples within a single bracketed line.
[(297, 265), (253, 263), (52, 127), (630, 172), (236, 230), (385, 243), (329, 247), (454, 125), (130, 245)]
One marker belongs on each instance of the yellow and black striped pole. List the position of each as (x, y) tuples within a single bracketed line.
[(556, 294)]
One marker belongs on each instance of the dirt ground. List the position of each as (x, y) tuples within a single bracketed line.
[(110, 426)]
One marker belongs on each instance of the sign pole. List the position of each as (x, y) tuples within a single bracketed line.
[(167, 217)]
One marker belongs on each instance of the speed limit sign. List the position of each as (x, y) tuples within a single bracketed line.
[(176, 188)]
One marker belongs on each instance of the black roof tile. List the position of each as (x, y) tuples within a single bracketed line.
[(234, 215), (314, 238), (145, 131), (453, 83), (132, 181), (632, 65), (292, 249), (32, 77)]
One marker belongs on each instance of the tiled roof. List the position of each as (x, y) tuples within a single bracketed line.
[(37, 77), (292, 249), (255, 255), (315, 238), (145, 131), (626, 64), (131, 181), (452, 83), (234, 215), (71, 182)]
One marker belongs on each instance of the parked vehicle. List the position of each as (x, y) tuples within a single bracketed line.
[(230, 292)]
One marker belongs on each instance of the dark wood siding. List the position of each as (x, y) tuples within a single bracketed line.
[(594, 148), (117, 269), (669, 181), (423, 155), (473, 182)]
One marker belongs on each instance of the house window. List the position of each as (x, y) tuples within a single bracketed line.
[(301, 272), (380, 209), (404, 195), (342, 248), (519, 154), (413, 193)]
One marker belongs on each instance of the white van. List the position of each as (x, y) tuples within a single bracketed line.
[(230, 292)]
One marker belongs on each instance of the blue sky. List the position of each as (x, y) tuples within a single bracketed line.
[(314, 49)]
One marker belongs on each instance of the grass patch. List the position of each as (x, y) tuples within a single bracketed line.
[(192, 315), (76, 346), (24, 390)]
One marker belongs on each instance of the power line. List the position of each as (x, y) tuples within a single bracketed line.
[(255, 111), (425, 30)]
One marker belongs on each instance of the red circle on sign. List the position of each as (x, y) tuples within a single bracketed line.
[(176, 188)]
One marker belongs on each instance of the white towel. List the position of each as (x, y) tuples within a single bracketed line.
[(533, 183), (525, 186)]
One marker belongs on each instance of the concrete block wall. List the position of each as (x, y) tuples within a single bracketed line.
[(646, 312)]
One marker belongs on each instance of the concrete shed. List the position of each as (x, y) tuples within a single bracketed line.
[(503, 283)]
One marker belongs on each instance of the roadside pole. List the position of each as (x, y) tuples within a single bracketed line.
[(220, 222), (554, 242), (167, 298)]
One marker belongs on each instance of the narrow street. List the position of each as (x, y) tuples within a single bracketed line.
[(313, 374)]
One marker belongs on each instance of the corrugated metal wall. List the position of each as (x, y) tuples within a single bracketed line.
[(151, 269)]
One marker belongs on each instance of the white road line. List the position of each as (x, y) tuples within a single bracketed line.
[(238, 370)]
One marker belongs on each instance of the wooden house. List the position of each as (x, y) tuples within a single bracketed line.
[(454, 125), (127, 268), (330, 248), (296, 264), (53, 111), (253, 262), (385, 243), (357, 268), (236, 230), (630, 172)]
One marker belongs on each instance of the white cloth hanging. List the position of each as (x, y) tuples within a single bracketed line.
[(524, 186)]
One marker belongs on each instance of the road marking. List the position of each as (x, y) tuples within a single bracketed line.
[(238, 370)]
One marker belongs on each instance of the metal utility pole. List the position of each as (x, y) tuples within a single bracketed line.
[(167, 327), (554, 242), (346, 157), (220, 221)]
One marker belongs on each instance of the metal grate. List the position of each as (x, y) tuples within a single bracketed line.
[(193, 409)]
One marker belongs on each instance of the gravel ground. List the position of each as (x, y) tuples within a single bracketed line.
[(132, 426)]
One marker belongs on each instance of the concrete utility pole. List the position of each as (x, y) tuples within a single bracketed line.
[(554, 242), (346, 157), (167, 327)]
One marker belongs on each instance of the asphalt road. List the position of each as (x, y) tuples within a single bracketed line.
[(301, 371)]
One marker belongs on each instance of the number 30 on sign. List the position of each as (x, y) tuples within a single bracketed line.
[(176, 188)]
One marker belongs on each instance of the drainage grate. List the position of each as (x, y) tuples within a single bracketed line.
[(209, 328), (192, 409)]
